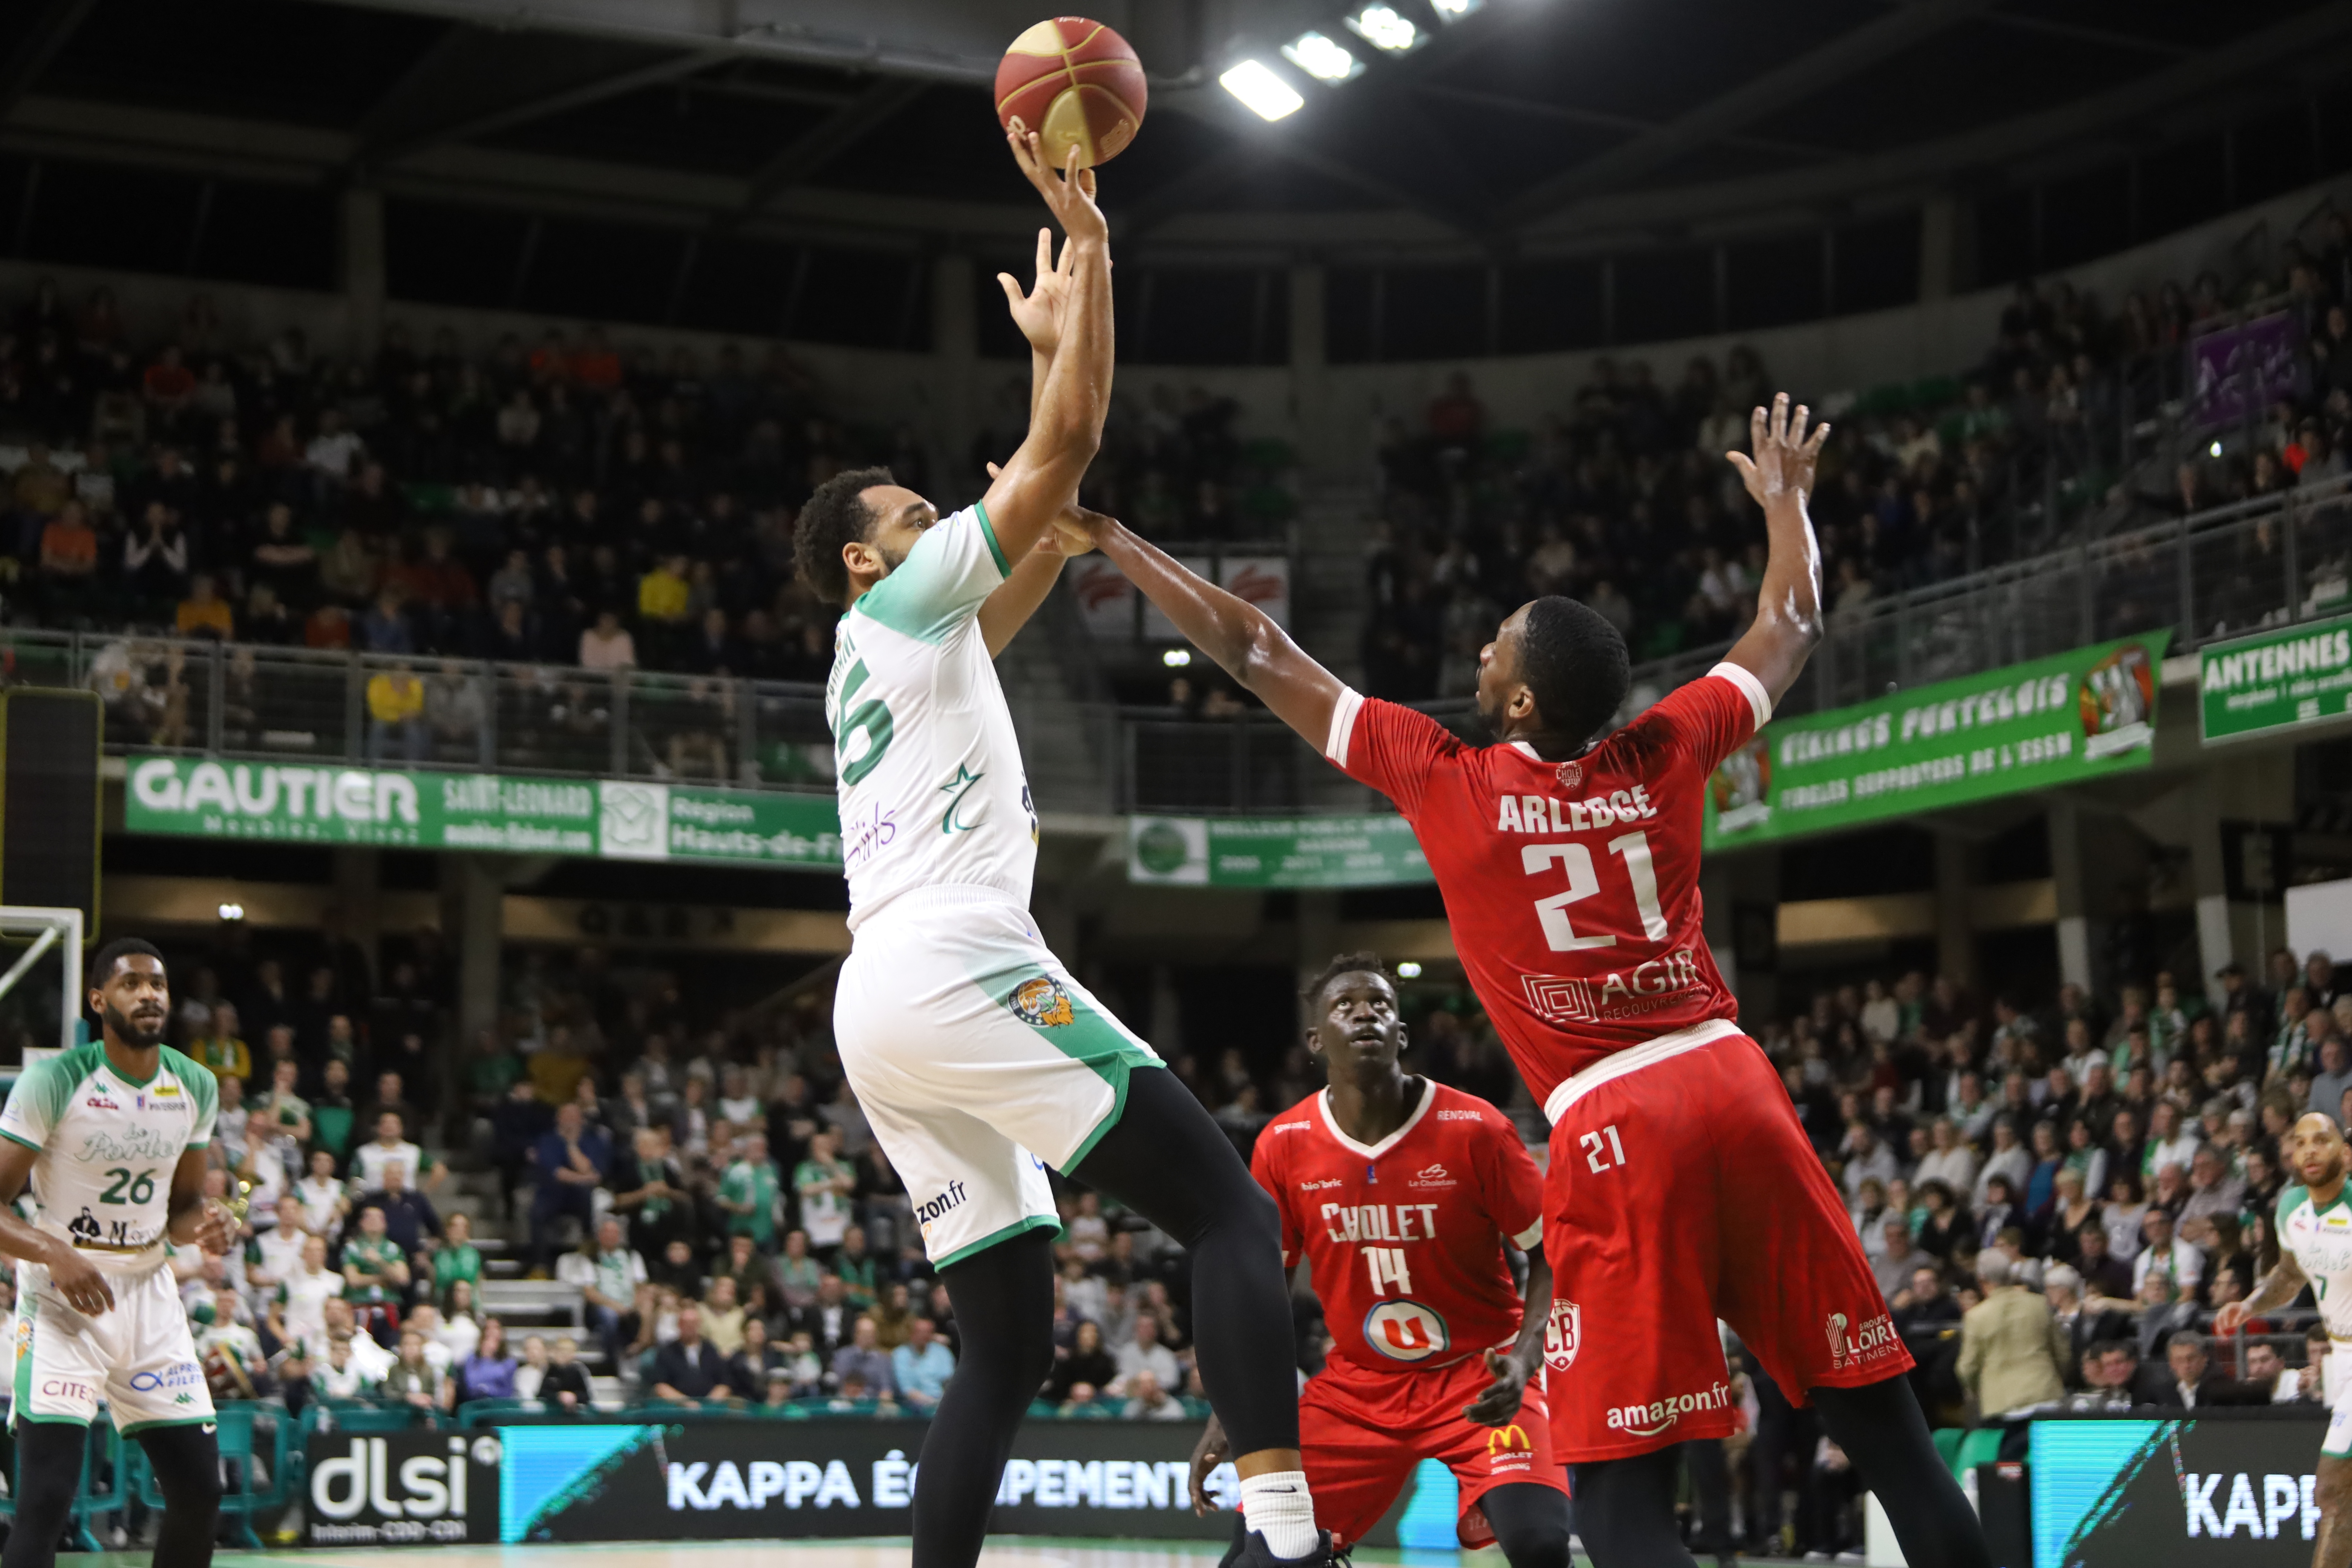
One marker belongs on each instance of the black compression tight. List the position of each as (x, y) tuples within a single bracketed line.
[(1004, 1301), (1625, 1508), (1881, 1428), (186, 1462), (1531, 1524), (1167, 1160), (49, 1470)]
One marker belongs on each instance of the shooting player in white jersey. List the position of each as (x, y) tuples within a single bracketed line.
[(978, 1059), (112, 1137)]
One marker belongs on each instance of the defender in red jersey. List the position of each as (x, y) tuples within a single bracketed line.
[(1681, 1188), (1400, 1193)]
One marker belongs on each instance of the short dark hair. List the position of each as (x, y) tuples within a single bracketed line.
[(1344, 964), (102, 967), (1575, 665), (836, 515)]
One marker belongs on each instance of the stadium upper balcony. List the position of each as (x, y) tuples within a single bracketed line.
[(2212, 575)]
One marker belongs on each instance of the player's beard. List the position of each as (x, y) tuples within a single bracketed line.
[(1490, 724), (892, 559), (2334, 1171), (139, 1035)]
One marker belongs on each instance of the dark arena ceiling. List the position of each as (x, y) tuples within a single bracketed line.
[(1515, 128)]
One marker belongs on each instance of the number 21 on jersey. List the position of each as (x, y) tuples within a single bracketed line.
[(1583, 881)]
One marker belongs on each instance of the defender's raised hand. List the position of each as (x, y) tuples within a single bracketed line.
[(1784, 460), (1038, 313)]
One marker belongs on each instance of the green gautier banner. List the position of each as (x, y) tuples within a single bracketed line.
[(617, 818), (2276, 680), (2037, 725), (1275, 852)]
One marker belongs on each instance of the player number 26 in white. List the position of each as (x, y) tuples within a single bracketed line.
[(1583, 881), (1601, 1158)]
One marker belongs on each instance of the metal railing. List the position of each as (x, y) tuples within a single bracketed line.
[(2219, 574), (2216, 574), (239, 699), (1247, 763)]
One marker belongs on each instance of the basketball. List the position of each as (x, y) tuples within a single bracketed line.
[(1077, 84)]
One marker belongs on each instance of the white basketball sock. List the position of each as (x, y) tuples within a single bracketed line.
[(1277, 1507)]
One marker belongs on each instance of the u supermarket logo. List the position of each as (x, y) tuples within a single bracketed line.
[(1406, 1331)]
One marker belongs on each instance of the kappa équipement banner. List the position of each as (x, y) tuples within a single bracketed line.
[(551, 1478), (2229, 1488), (2037, 725)]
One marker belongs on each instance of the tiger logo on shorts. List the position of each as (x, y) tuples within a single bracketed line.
[(1041, 1003)]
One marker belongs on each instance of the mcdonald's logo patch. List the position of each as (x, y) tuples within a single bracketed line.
[(1511, 1440)]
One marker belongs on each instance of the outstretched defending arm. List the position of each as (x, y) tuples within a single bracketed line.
[(1789, 604), (1242, 638), (1066, 423)]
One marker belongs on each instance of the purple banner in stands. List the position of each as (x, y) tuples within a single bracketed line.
[(2236, 373)]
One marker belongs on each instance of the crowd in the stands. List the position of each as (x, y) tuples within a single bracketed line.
[(1624, 499), (563, 502)]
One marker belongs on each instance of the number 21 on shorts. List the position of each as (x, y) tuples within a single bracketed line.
[(1599, 1157)]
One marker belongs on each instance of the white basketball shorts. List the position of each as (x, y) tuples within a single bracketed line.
[(138, 1355), (978, 1060)]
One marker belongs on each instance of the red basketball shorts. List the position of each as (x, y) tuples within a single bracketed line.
[(1681, 1189), (1362, 1433)]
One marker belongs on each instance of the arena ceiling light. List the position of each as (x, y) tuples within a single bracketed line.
[(1177, 657), (1323, 58), (1455, 10), (1387, 29), (1262, 89)]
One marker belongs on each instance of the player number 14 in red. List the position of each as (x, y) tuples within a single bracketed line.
[(1599, 1158)]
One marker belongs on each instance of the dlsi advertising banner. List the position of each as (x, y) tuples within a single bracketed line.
[(2037, 725), (423, 809)]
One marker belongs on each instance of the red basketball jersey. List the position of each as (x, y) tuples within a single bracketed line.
[(1404, 1237), (1571, 888)]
